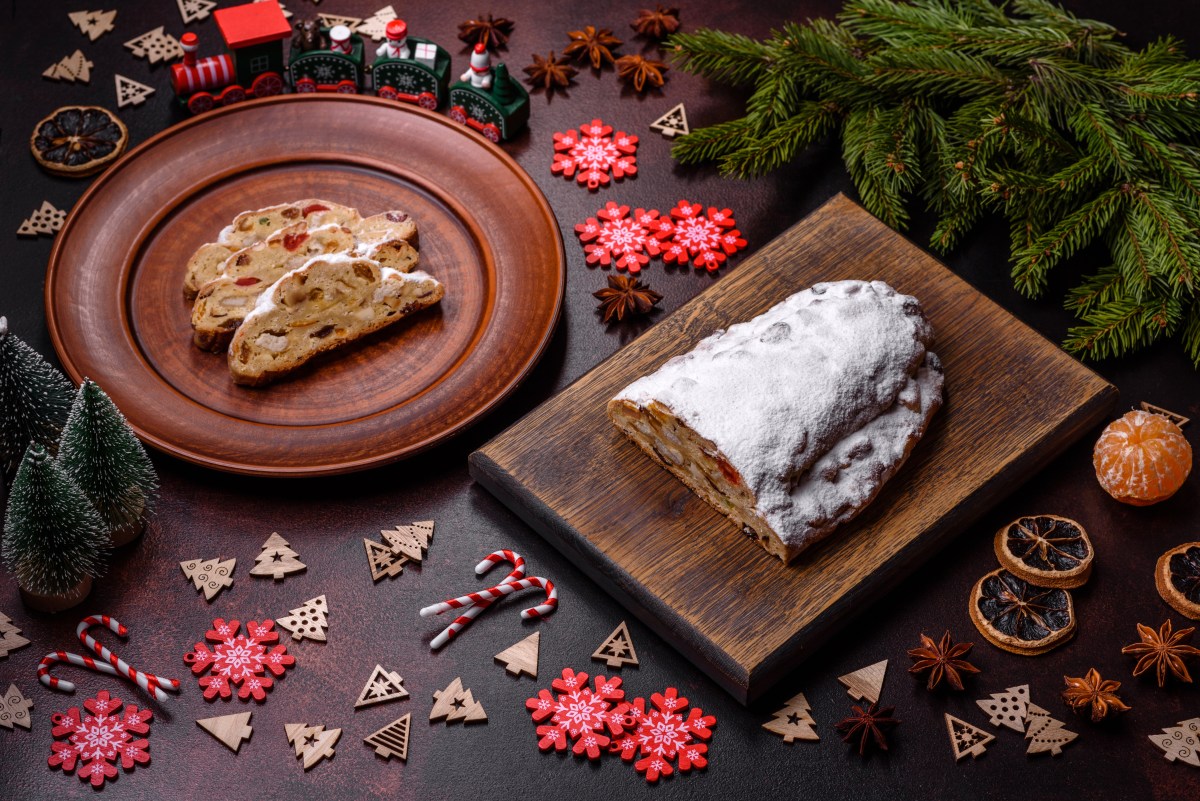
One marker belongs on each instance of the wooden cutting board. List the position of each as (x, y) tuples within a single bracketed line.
[(1013, 402)]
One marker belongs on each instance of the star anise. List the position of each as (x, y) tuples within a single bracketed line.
[(942, 659), (550, 73), (625, 295), (1162, 650), (592, 43), (639, 71), (491, 32), (1093, 692), (868, 726), (658, 23)]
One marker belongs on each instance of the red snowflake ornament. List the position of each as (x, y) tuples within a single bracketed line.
[(579, 713), (100, 739), (612, 236), (663, 735), (592, 154), (241, 659), (705, 238)]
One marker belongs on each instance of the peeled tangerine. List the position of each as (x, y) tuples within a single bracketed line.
[(1142, 458)]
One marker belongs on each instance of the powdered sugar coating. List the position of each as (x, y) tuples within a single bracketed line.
[(814, 403)]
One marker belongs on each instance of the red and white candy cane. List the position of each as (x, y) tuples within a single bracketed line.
[(474, 604), (112, 665)]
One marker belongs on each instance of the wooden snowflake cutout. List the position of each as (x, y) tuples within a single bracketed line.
[(155, 46), (578, 715), (706, 238), (662, 738), (612, 236), (96, 741), (594, 153), (241, 659)]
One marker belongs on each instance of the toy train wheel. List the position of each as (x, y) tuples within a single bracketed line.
[(267, 85), (200, 103), (458, 114), (231, 94), (491, 133), (346, 88), (306, 85), (388, 93), (427, 100)]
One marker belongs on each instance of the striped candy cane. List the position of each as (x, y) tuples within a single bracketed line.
[(491, 594), (112, 665)]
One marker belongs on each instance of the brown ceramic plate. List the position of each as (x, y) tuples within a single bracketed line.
[(116, 312)]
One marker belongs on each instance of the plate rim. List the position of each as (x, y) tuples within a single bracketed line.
[(193, 456)]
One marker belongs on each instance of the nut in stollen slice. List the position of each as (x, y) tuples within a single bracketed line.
[(330, 301)]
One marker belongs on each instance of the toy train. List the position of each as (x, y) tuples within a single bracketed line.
[(333, 59)]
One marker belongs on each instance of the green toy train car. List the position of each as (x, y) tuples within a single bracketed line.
[(336, 68), (489, 100)]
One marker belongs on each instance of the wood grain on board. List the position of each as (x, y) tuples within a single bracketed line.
[(1013, 401)]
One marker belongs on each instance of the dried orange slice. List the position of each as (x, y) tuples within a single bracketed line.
[(1142, 458), (1020, 617), (1047, 550), (1178, 579)]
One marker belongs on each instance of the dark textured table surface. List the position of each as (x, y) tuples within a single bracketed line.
[(207, 514)]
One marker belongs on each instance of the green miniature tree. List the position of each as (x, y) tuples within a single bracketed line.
[(100, 453), (34, 400), (53, 538)]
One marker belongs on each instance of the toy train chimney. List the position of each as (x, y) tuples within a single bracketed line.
[(339, 39), (190, 43)]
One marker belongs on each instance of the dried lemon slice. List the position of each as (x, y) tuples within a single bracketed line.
[(1021, 617), (1047, 550)]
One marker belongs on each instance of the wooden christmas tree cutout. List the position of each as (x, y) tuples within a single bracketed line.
[(966, 739), (866, 684), (383, 561), (1045, 733), (130, 92), (14, 708), (617, 651), (277, 559), (46, 221), (211, 575), (72, 68), (384, 685), (392, 739), (410, 541), (673, 123), (1177, 742), (455, 704), (793, 722), (93, 24), (156, 46), (229, 730), (375, 26), (330, 20), (10, 637), (522, 657), (1008, 708), (312, 743), (195, 10), (1175, 417), (308, 620)]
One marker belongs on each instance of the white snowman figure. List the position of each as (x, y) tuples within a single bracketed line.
[(480, 73), (396, 44), (339, 40)]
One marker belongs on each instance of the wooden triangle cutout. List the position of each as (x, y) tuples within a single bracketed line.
[(392, 739), (617, 650), (865, 684), (673, 123), (521, 657), (967, 739), (384, 685), (229, 730)]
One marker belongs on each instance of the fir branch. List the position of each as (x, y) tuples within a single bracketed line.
[(720, 56), (714, 143), (1073, 232)]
